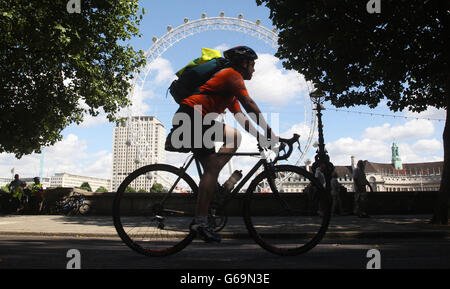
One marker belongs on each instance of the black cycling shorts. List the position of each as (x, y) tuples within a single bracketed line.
[(198, 135)]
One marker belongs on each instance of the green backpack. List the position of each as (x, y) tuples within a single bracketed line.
[(196, 73)]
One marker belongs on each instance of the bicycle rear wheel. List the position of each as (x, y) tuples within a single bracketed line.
[(155, 221), (290, 216)]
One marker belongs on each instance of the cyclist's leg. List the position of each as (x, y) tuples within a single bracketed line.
[(212, 165)]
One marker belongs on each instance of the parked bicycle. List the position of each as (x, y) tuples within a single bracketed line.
[(74, 204), (275, 211)]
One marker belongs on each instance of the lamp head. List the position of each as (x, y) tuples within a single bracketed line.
[(316, 95)]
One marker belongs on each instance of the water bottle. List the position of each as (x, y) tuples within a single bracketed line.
[(234, 178)]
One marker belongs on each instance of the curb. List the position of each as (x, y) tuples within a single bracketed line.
[(387, 234), (241, 235), (59, 234)]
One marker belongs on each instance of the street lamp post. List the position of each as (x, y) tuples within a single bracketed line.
[(321, 154)]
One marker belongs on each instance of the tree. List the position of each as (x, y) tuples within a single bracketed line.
[(57, 66), (101, 189), (358, 58), (85, 186), (130, 189), (156, 188)]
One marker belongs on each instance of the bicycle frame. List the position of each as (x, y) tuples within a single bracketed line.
[(268, 167), (237, 188)]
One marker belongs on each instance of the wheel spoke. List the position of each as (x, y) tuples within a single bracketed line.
[(153, 223), (292, 218)]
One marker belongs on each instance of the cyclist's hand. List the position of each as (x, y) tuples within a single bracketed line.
[(267, 142)]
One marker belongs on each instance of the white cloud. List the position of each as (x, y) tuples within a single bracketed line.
[(164, 71), (418, 153), (222, 47), (342, 149), (100, 165), (138, 103), (430, 112), (91, 121), (275, 85), (69, 155), (159, 74), (27, 166), (427, 145), (424, 150), (415, 128), (302, 129)]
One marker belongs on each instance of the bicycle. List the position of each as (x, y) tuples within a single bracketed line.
[(73, 205), (161, 227)]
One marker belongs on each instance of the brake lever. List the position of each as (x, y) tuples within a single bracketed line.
[(282, 147), (299, 147)]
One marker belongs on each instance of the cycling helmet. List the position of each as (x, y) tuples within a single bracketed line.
[(236, 54)]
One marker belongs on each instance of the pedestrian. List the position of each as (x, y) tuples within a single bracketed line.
[(16, 193), (319, 174), (335, 194), (37, 195), (361, 197)]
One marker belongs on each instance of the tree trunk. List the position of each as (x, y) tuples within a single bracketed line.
[(442, 205)]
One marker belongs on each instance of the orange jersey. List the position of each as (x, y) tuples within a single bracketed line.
[(220, 92)]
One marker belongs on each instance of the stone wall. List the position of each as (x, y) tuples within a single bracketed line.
[(379, 202)]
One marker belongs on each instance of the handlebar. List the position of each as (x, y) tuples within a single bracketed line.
[(290, 143), (283, 143)]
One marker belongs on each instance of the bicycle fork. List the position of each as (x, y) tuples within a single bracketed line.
[(271, 176)]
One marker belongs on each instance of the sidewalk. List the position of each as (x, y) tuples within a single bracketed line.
[(389, 226)]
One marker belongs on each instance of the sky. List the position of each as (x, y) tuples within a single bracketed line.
[(86, 149)]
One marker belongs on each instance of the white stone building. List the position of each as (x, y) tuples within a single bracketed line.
[(388, 177), (71, 181), (130, 154)]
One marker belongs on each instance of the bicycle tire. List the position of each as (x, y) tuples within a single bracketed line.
[(283, 223), (217, 217), (167, 231), (84, 209)]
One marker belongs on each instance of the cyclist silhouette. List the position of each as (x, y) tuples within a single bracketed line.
[(225, 90)]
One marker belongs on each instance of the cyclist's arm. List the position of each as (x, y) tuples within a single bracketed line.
[(245, 123), (237, 87), (255, 114), (364, 180)]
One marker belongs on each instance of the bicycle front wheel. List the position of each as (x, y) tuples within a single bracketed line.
[(290, 215), (155, 220)]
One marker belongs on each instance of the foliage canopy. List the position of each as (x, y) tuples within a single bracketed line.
[(56, 66), (356, 58)]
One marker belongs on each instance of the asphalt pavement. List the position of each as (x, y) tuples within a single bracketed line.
[(395, 226)]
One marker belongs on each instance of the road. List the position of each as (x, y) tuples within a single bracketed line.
[(35, 252)]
